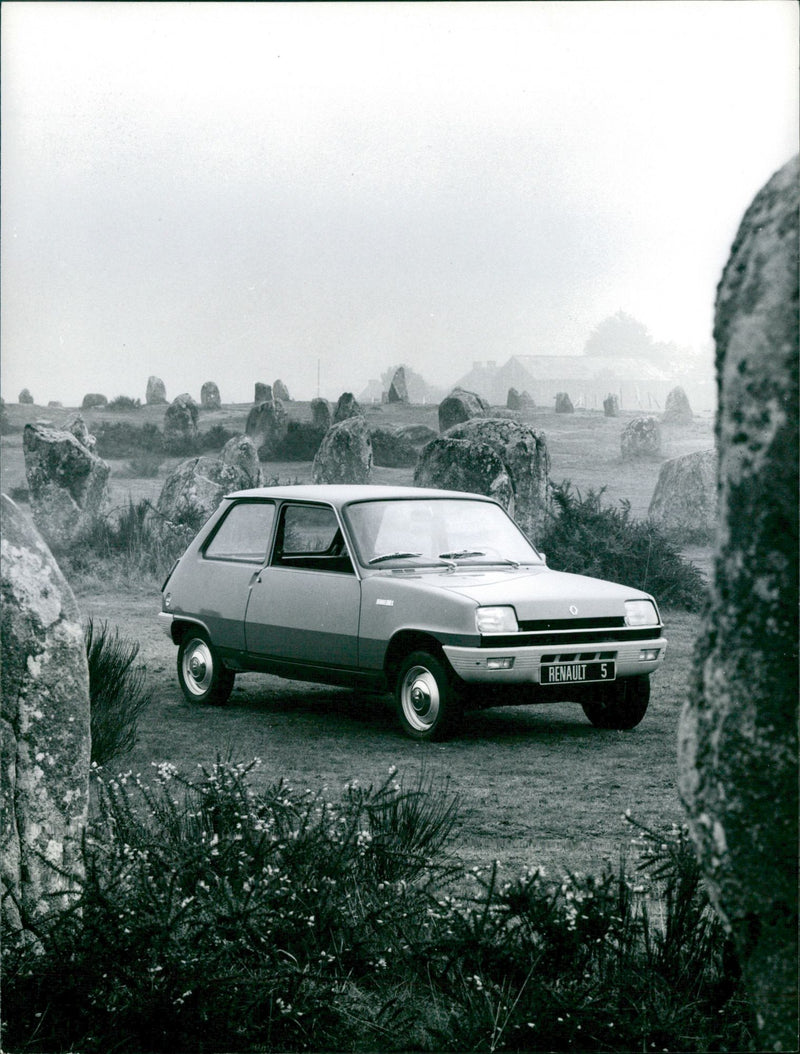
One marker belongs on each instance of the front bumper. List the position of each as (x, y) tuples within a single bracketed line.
[(472, 664)]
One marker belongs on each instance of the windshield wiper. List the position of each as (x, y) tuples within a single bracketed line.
[(392, 556), (461, 554)]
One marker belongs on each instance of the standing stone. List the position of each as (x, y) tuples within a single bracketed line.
[(280, 391), (45, 728), (526, 401), (263, 392), (78, 428), (463, 464), (241, 453), (513, 400), (67, 481), (738, 747), (345, 454), (611, 405), (347, 407), (684, 502), (677, 410), (459, 406), (92, 400), (518, 475), (398, 390), (321, 413), (26, 397), (180, 425), (641, 438), (156, 393), (194, 490), (266, 425), (209, 396), (564, 404)]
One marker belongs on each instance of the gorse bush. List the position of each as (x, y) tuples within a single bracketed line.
[(214, 918), (588, 537), (117, 690), (123, 403), (123, 439)]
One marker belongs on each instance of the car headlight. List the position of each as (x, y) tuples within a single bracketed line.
[(496, 620), (640, 613)]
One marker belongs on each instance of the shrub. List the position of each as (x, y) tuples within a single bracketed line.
[(587, 537), (215, 918), (123, 439), (123, 403), (117, 691), (301, 442), (143, 466), (214, 438), (131, 541)]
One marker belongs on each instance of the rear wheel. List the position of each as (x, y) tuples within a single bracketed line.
[(620, 705), (201, 674)]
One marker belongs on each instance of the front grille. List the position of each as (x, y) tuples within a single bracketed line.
[(540, 625), (615, 635)]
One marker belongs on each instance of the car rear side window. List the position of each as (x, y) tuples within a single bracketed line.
[(243, 534)]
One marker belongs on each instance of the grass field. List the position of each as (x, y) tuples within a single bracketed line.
[(537, 785)]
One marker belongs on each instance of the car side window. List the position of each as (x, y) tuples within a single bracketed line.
[(244, 533), (309, 537)]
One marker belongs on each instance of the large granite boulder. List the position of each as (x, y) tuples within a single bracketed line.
[(459, 406), (391, 449), (155, 393), (345, 454), (347, 406), (67, 481), (77, 427), (677, 410), (281, 392), (45, 727), (240, 453), (92, 400), (398, 389), (518, 474), (611, 405), (180, 425), (564, 404), (464, 464), (194, 490), (210, 397), (321, 414), (262, 392), (684, 502), (417, 435), (266, 425), (738, 749), (25, 397), (641, 438), (519, 401)]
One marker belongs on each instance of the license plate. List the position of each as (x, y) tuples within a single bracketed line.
[(577, 672)]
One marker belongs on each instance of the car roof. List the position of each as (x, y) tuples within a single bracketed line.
[(339, 494)]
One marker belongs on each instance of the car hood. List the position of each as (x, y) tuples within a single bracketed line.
[(536, 592)]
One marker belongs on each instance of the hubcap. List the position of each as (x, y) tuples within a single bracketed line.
[(198, 667), (420, 698)]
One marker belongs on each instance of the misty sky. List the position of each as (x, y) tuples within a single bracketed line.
[(237, 192)]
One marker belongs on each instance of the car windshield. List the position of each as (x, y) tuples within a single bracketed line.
[(422, 531)]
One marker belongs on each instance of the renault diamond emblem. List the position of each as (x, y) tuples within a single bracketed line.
[(573, 610)]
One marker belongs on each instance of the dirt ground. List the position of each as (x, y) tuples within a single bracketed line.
[(538, 786)]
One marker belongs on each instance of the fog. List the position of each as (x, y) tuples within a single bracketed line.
[(316, 192)]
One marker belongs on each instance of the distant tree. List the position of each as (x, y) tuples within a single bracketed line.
[(622, 335)]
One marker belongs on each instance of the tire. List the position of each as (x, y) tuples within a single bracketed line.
[(427, 701), (620, 705), (201, 674)]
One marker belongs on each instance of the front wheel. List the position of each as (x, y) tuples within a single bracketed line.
[(427, 701), (201, 674), (620, 705)]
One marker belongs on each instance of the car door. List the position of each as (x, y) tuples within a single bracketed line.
[(304, 604), (219, 585)]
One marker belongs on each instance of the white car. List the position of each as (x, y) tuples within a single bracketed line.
[(435, 595)]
